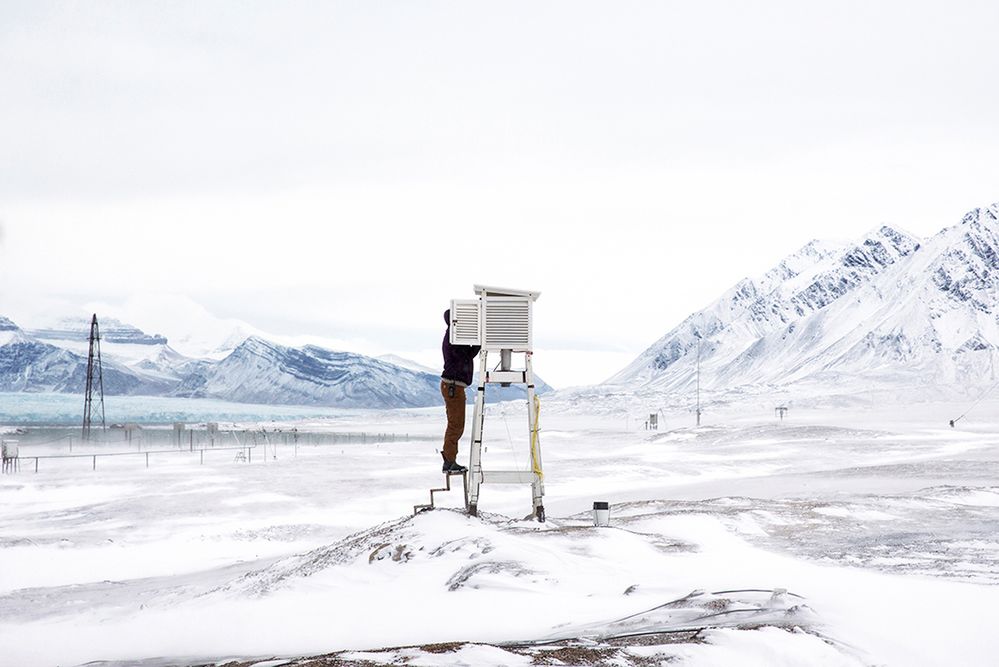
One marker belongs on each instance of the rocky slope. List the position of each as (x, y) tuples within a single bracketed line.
[(887, 309)]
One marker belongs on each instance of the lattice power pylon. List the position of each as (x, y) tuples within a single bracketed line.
[(95, 375)]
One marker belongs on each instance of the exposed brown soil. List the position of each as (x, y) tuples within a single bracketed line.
[(607, 654)]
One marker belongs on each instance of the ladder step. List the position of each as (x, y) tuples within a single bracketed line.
[(447, 487), (508, 477), (506, 377)]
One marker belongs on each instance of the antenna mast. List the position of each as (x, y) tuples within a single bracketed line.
[(697, 410), (95, 347)]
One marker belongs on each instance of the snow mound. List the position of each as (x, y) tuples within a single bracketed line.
[(960, 495), (451, 548), (698, 610)]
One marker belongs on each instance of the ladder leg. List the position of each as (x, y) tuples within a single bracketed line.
[(537, 486), (475, 450)]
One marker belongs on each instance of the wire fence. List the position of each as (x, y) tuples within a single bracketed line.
[(29, 447)]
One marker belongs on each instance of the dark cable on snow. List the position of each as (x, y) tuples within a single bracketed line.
[(680, 628), (644, 633), (984, 394), (756, 590)]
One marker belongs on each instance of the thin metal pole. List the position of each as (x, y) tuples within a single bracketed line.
[(698, 410)]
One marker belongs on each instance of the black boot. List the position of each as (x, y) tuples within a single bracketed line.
[(452, 467)]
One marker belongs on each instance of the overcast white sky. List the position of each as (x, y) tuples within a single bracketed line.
[(341, 169)]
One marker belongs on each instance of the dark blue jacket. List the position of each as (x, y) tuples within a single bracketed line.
[(459, 360)]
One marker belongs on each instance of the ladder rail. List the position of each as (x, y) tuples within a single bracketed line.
[(477, 475), (475, 450), (537, 486)]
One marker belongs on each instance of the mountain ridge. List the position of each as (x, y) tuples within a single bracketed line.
[(257, 370), (888, 307)]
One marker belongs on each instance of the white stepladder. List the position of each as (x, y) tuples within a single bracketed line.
[(500, 321)]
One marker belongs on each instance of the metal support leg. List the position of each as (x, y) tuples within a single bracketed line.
[(537, 486), (475, 450), (476, 475)]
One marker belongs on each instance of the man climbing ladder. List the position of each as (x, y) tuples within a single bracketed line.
[(459, 363)]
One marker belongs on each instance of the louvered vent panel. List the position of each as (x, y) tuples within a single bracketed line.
[(465, 329), (507, 323)]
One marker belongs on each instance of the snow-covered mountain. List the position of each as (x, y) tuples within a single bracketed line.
[(156, 365), (30, 364), (112, 331), (54, 359), (888, 309), (396, 360), (259, 371)]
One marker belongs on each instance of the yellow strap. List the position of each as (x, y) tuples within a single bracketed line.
[(535, 463)]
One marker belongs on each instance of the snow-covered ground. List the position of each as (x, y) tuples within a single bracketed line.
[(884, 522)]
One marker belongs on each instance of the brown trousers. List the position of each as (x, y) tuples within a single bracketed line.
[(455, 408)]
